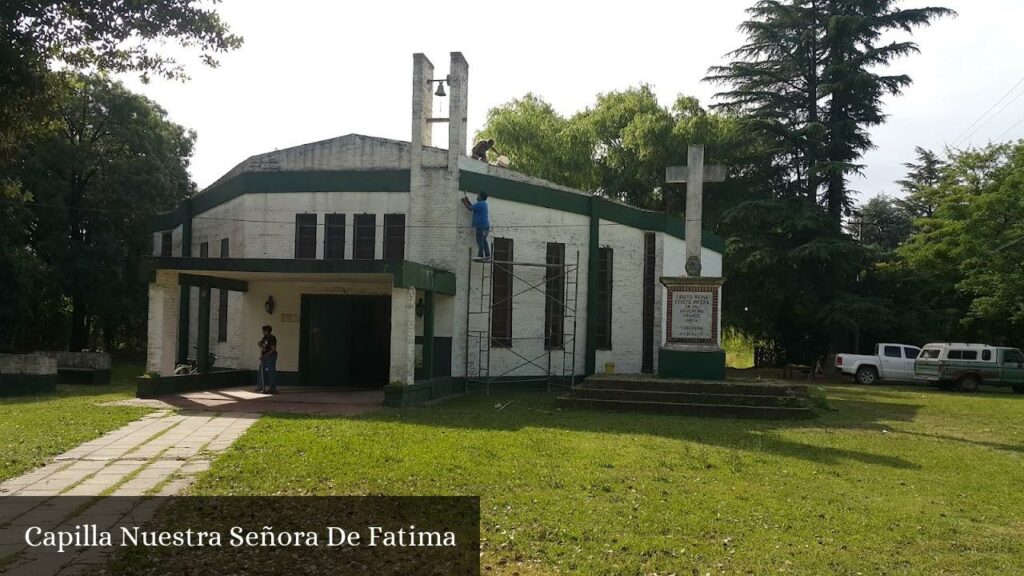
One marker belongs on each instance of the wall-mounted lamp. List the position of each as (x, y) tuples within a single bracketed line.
[(269, 305), (440, 85)]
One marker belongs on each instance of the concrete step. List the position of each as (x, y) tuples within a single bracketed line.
[(732, 387), (716, 410), (675, 397)]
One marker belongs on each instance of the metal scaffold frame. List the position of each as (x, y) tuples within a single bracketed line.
[(479, 340)]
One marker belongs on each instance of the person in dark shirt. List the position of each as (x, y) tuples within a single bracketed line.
[(268, 362), (481, 223), (481, 148)]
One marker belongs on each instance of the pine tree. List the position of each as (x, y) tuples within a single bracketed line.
[(921, 183), (807, 78)]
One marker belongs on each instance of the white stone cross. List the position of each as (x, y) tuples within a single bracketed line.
[(694, 174)]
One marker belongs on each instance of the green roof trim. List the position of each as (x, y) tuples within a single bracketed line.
[(583, 204), (284, 182), (406, 274)]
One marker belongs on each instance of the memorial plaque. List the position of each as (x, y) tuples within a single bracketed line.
[(693, 311), (692, 316)]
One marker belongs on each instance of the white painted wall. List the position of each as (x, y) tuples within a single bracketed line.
[(627, 246), (531, 228), (270, 233)]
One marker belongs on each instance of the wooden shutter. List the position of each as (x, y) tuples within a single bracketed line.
[(305, 236), (364, 239), (394, 236), (647, 361), (554, 296), (204, 249), (334, 237), (501, 295)]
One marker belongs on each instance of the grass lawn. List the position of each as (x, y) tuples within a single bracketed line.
[(36, 428), (889, 480)]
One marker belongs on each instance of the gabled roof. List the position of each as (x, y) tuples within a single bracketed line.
[(348, 152)]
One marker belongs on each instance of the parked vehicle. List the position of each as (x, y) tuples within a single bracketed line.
[(893, 362), (954, 365)]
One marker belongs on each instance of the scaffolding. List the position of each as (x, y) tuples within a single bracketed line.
[(555, 366)]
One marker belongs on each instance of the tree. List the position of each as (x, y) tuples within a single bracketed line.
[(93, 34), (620, 146), (540, 142), (111, 162), (920, 184), (882, 222), (806, 79), (967, 258)]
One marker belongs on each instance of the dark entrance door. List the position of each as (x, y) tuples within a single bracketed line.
[(346, 341)]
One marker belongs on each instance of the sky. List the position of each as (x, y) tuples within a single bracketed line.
[(315, 69)]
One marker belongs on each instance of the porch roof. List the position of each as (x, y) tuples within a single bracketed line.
[(405, 274)]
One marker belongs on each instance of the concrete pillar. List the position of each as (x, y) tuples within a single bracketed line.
[(184, 295), (428, 334), (458, 115), (203, 330), (161, 349), (422, 103), (403, 336)]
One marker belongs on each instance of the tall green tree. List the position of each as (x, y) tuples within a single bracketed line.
[(882, 222), (809, 79), (112, 161), (967, 260), (541, 142), (37, 37), (619, 147), (921, 183)]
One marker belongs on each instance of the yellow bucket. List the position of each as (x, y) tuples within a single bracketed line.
[(609, 367)]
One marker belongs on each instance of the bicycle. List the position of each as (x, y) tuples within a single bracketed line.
[(191, 366)]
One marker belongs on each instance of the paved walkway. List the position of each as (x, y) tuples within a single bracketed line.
[(159, 454)]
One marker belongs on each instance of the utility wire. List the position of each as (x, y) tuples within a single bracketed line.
[(1003, 97), (998, 112), (1010, 129)]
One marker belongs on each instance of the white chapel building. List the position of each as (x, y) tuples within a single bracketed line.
[(358, 253)]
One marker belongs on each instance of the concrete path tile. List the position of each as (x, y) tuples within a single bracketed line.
[(161, 452)]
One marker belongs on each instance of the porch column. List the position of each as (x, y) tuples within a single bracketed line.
[(203, 330), (161, 347), (403, 336), (428, 334)]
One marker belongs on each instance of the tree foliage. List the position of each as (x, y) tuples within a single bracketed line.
[(921, 183), (111, 161), (619, 147), (967, 258), (808, 78), (73, 147), (882, 222)]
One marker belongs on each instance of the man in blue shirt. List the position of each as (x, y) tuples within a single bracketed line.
[(481, 223)]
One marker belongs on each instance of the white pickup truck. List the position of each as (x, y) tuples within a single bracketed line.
[(890, 362)]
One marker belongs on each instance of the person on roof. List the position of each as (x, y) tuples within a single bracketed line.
[(481, 148)]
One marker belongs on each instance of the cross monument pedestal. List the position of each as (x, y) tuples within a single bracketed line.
[(692, 346)]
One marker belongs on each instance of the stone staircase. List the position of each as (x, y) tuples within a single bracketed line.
[(761, 399)]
